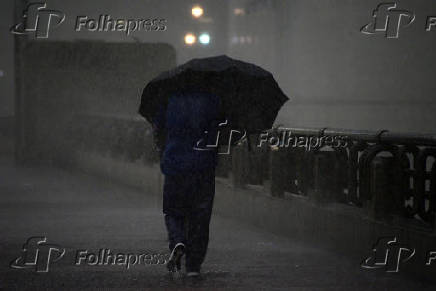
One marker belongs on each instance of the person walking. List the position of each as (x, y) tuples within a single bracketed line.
[(249, 98), (182, 128)]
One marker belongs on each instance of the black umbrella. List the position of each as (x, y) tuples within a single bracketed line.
[(250, 96)]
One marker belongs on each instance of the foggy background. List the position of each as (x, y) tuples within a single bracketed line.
[(335, 75)]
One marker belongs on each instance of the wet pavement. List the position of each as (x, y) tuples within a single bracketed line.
[(83, 215)]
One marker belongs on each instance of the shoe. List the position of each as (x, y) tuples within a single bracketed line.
[(174, 262)]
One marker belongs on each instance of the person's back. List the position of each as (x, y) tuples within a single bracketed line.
[(188, 116), (189, 170)]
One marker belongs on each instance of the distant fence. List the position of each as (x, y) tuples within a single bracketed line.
[(393, 175), (390, 174)]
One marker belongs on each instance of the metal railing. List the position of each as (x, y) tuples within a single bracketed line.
[(389, 174)]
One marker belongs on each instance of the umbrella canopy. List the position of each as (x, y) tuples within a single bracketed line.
[(250, 96)]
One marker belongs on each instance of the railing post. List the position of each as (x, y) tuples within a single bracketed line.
[(381, 203), (291, 171), (277, 172), (239, 166), (304, 173), (325, 172), (255, 166)]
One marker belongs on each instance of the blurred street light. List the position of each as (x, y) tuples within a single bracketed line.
[(204, 38), (239, 11), (197, 11), (190, 39)]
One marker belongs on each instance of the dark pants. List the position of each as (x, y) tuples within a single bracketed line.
[(187, 205)]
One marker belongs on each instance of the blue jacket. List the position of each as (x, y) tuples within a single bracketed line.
[(186, 119)]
